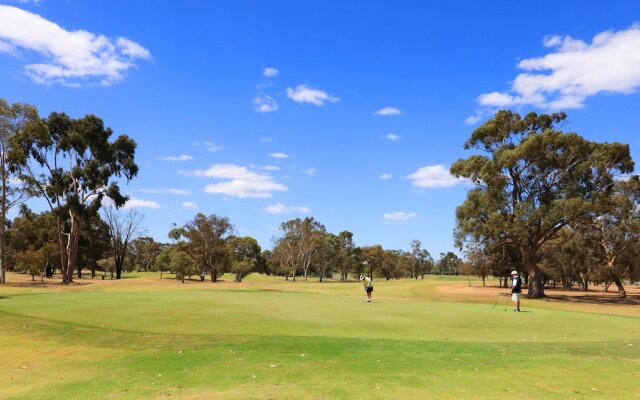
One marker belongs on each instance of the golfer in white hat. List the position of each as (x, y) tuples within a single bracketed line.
[(516, 290)]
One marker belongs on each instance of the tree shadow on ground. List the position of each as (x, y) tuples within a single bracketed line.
[(41, 284), (632, 299)]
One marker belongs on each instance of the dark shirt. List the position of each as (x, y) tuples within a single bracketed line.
[(516, 285)]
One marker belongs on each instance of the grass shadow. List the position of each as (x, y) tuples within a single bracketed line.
[(633, 299)]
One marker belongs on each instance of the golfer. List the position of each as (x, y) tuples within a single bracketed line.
[(516, 290), (368, 286)]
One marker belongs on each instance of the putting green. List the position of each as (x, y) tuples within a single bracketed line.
[(267, 338)]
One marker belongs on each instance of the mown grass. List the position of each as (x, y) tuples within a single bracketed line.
[(143, 338)]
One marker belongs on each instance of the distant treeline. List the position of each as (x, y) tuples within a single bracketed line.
[(551, 204)]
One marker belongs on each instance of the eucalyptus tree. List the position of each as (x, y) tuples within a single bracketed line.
[(93, 245), (206, 242), (422, 262), (477, 263), (532, 180), (328, 255), (245, 255), (74, 168), (374, 256), (15, 120), (144, 251), (299, 243), (448, 264), (36, 232), (346, 254), (617, 227), (123, 228)]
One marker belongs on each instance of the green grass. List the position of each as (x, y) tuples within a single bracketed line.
[(143, 338)]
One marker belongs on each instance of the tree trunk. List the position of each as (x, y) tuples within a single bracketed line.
[(3, 218), (536, 288), (616, 279), (214, 275), (71, 249), (535, 284)]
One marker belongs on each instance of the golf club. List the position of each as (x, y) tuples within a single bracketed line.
[(507, 303)]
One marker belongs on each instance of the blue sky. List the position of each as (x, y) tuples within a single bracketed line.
[(351, 113)]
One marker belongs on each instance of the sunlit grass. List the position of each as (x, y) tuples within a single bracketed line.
[(267, 338)]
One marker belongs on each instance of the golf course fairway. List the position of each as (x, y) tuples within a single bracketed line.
[(267, 338)]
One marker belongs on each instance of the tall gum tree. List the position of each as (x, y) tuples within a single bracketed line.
[(72, 164), (15, 120), (616, 228), (532, 180)]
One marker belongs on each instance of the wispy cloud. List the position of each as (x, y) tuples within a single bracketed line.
[(270, 72), (210, 146), (180, 192), (386, 177), (182, 157), (388, 112), (472, 119), (392, 137), (574, 71), (282, 209), (134, 202), (71, 58), (267, 167), (264, 103), (304, 94), (189, 205), (266, 139), (278, 155), (401, 216), (433, 176), (310, 171), (238, 181)]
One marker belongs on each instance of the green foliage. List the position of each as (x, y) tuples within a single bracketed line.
[(205, 240), (533, 181), (81, 167), (245, 255)]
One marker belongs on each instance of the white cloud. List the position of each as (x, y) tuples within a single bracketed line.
[(304, 94), (264, 103), (270, 72), (181, 157), (180, 192), (472, 119), (401, 216), (433, 176), (238, 181), (189, 205), (212, 147), (310, 171), (388, 112), (266, 139), (71, 58), (392, 136), (386, 177), (279, 155), (282, 209), (134, 202), (575, 71), (268, 167)]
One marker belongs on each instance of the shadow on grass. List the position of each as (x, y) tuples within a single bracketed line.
[(633, 299), (45, 284)]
